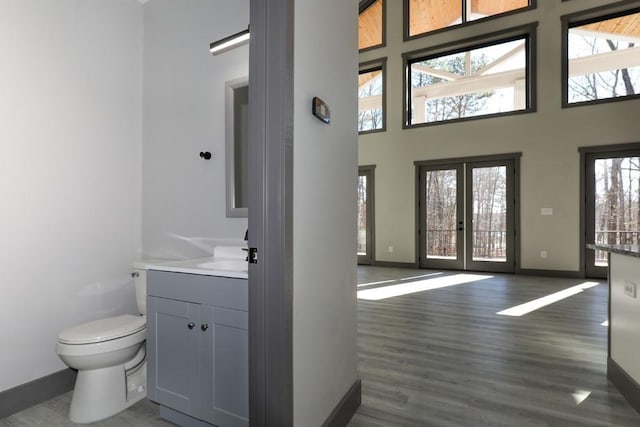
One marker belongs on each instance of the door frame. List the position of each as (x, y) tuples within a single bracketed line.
[(270, 201), (588, 155), (514, 158), (369, 172)]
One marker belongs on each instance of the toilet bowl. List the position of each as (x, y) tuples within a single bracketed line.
[(110, 357)]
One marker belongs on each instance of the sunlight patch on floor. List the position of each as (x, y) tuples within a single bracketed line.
[(382, 282), (419, 286), (421, 276), (580, 396), (536, 304)]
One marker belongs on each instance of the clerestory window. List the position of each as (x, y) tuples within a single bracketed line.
[(371, 24), (425, 16), (371, 96), (601, 60), (490, 78)]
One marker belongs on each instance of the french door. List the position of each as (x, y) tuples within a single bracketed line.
[(365, 215), (467, 215), (612, 203)]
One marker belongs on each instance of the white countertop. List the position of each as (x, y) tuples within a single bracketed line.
[(224, 265)]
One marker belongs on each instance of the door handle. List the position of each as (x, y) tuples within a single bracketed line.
[(204, 327), (191, 325)]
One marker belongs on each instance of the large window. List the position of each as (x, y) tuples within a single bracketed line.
[(371, 24), (487, 79), (602, 57), (371, 98), (425, 16)]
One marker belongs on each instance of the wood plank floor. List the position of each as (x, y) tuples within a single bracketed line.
[(55, 413), (443, 357)]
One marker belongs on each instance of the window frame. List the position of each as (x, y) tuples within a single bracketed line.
[(373, 65), (364, 5), (597, 14), (527, 31), (533, 4)]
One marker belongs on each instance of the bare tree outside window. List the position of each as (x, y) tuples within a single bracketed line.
[(441, 213), (490, 213)]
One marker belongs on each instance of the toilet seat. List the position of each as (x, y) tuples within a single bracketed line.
[(102, 330)]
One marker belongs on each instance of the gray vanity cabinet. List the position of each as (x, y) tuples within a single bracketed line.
[(197, 345)]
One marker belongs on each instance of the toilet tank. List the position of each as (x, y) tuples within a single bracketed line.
[(140, 283)]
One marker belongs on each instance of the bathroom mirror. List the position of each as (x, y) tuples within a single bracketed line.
[(237, 136)]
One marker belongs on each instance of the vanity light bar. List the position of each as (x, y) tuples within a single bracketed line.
[(230, 42)]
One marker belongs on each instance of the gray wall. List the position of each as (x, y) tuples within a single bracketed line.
[(70, 174), (183, 196), (548, 140), (324, 226)]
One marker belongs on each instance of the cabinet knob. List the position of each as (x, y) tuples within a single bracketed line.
[(204, 327), (191, 325)]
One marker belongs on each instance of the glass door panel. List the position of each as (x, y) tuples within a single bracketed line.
[(442, 217), (489, 223), (490, 216), (614, 217), (365, 215)]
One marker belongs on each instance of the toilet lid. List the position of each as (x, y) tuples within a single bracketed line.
[(103, 329)]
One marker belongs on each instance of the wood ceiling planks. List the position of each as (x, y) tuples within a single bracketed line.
[(494, 7), (370, 26), (627, 25), (429, 15)]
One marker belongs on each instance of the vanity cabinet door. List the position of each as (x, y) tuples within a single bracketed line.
[(173, 354), (225, 366)]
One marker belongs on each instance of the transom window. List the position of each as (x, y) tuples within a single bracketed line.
[(488, 79), (425, 16), (602, 58)]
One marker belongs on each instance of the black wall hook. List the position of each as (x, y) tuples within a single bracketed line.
[(205, 155)]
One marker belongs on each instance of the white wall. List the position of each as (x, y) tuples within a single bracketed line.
[(184, 106), (548, 140), (625, 314), (324, 229), (70, 146)]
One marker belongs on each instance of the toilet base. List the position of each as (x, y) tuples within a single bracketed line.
[(102, 393)]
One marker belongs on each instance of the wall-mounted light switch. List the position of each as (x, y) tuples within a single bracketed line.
[(543, 254), (546, 211), (390, 248), (630, 288)]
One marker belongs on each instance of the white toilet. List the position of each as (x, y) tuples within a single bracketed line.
[(110, 357)]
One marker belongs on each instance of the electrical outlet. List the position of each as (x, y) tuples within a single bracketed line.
[(543, 254), (630, 288), (390, 248)]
